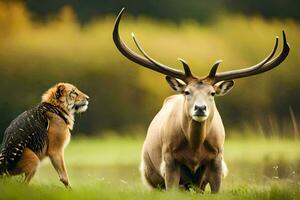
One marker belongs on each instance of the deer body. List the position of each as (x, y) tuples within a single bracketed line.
[(178, 146), (184, 142)]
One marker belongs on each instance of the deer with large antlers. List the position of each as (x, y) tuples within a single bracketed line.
[(185, 140)]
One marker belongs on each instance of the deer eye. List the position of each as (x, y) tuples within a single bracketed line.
[(186, 93), (212, 93)]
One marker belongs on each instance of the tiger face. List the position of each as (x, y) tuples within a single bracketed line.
[(67, 97)]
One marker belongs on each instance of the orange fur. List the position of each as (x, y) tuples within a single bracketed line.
[(65, 96), (27, 165)]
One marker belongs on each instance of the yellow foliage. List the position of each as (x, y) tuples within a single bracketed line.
[(239, 41)]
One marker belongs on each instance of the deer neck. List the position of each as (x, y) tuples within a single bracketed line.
[(195, 132)]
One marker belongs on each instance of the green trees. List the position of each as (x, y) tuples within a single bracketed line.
[(124, 97)]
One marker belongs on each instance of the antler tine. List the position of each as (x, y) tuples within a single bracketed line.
[(214, 69), (186, 68), (160, 67), (253, 70), (121, 45), (146, 61), (279, 59)]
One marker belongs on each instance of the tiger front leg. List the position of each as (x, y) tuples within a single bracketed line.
[(58, 162)]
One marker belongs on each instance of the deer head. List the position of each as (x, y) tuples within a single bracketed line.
[(199, 92)]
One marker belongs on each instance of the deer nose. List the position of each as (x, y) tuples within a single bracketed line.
[(200, 110)]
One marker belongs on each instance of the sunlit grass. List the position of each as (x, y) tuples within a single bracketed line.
[(117, 158), (106, 191), (107, 168)]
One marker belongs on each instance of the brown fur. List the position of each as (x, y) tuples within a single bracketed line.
[(179, 150), (58, 133)]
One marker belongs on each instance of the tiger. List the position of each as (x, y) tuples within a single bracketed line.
[(42, 131)]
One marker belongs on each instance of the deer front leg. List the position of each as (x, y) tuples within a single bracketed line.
[(202, 177), (58, 163), (215, 175), (171, 172)]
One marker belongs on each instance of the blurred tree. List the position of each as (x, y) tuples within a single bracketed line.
[(167, 9), (266, 8), (124, 97), (200, 10)]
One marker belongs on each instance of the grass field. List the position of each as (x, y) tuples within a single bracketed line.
[(107, 168)]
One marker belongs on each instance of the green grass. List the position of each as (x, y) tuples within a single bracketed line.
[(107, 191), (107, 168)]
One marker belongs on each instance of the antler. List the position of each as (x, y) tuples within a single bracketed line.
[(263, 66), (147, 61), (186, 76)]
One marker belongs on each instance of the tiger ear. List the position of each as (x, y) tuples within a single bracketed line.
[(59, 91)]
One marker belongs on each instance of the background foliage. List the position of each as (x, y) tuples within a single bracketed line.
[(168, 9), (70, 41)]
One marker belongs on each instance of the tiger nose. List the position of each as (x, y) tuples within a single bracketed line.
[(87, 97)]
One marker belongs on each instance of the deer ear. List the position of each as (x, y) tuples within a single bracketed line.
[(175, 84), (59, 91), (223, 87)]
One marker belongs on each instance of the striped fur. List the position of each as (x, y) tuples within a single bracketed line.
[(29, 130)]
